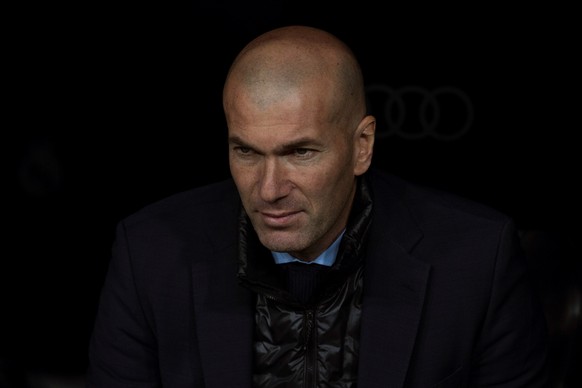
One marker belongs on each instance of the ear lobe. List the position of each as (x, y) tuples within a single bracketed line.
[(364, 144)]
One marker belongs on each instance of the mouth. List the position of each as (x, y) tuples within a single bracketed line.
[(279, 219)]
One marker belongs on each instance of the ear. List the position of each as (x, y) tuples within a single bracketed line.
[(364, 144)]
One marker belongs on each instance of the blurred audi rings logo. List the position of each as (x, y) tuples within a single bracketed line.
[(413, 112)]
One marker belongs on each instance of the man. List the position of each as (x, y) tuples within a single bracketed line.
[(310, 268)]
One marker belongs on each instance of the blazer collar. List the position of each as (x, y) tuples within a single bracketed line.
[(223, 310), (224, 321), (395, 283)]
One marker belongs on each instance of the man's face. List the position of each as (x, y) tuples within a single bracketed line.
[(294, 172)]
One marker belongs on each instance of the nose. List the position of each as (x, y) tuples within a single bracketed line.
[(274, 183)]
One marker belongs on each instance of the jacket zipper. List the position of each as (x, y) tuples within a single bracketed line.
[(309, 346), (310, 350)]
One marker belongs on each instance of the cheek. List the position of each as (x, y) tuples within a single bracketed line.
[(242, 179), (341, 183), (327, 186)]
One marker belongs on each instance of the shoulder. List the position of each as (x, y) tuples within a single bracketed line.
[(442, 220), (198, 205), (455, 234), (193, 225), (425, 202)]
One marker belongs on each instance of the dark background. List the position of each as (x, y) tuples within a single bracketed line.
[(113, 105)]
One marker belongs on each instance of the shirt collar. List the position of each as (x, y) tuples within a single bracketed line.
[(327, 258)]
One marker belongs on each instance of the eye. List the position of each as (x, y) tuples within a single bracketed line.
[(243, 150), (303, 152)]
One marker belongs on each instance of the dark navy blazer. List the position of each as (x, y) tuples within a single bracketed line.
[(447, 297)]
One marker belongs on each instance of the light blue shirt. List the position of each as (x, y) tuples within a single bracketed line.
[(327, 258)]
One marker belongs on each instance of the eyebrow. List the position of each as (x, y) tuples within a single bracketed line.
[(302, 142)]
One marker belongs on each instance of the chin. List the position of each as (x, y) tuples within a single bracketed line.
[(280, 241)]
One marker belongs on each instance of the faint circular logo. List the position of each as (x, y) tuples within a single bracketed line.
[(413, 112)]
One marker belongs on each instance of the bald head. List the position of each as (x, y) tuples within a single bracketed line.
[(298, 60)]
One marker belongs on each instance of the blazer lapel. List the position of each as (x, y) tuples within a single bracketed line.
[(394, 292), (224, 321)]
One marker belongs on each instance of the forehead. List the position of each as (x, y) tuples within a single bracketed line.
[(273, 136), (285, 115)]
